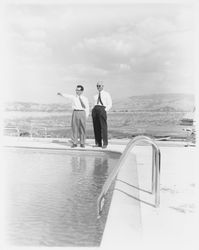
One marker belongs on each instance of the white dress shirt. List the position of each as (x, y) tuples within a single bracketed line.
[(106, 100), (76, 104)]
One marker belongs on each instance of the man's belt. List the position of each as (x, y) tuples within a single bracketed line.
[(97, 105)]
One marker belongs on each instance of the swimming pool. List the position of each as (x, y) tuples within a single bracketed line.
[(51, 196)]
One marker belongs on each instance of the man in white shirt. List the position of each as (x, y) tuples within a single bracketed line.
[(80, 106), (102, 104)]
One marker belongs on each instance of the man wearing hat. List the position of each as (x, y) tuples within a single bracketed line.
[(102, 104), (80, 106)]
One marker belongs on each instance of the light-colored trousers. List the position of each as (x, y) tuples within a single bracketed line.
[(78, 124)]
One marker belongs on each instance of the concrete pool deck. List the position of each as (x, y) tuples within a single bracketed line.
[(133, 221)]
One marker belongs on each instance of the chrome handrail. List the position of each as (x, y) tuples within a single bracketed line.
[(156, 162)]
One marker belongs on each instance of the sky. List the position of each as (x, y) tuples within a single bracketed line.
[(135, 49)]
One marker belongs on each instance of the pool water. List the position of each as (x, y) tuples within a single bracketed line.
[(51, 196)]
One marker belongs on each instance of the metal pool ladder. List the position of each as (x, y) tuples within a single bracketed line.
[(156, 162)]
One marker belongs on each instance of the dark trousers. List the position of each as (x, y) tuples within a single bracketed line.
[(100, 125)]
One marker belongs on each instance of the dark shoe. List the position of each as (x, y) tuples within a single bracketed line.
[(82, 145), (74, 146), (104, 146), (97, 146)]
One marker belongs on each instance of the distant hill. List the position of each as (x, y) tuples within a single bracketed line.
[(30, 107), (156, 102)]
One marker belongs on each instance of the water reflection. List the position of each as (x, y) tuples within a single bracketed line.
[(100, 172), (78, 163), (86, 189), (100, 167), (53, 198)]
